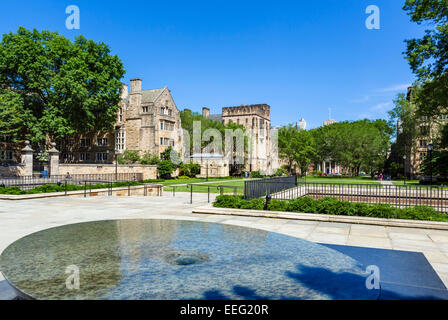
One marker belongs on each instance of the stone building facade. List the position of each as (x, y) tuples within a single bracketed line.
[(147, 121), (257, 120), (426, 133)]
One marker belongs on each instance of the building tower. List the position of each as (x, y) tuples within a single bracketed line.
[(302, 124)]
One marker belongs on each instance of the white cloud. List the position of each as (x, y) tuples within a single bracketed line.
[(360, 100), (399, 87), (381, 107)]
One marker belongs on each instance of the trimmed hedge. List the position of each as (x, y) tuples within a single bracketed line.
[(332, 206)]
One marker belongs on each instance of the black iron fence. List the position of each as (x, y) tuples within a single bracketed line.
[(401, 196), (258, 188), (30, 182)]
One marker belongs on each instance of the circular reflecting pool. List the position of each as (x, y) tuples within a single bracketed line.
[(171, 259)]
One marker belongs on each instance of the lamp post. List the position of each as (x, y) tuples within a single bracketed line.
[(430, 148), (116, 165), (404, 168)]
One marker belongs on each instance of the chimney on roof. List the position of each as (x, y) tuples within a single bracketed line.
[(124, 91), (205, 112), (136, 85)]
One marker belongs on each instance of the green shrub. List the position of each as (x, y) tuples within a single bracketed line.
[(149, 159), (165, 168), (383, 211), (362, 209), (332, 206), (278, 205), (328, 205), (11, 191), (228, 201), (304, 204), (190, 169), (419, 213), (129, 157), (254, 204), (256, 174)]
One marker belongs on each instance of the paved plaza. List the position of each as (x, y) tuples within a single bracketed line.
[(20, 218)]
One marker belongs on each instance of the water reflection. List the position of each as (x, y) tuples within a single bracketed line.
[(166, 259)]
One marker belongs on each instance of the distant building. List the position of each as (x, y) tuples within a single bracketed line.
[(427, 132), (302, 124), (329, 122)]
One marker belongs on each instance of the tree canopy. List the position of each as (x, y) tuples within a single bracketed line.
[(428, 56), (51, 87), (297, 147), (358, 145)]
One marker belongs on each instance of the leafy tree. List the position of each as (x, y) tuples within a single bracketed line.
[(428, 56), (129, 157), (190, 169), (171, 155), (188, 118), (13, 118), (165, 168), (358, 145), (297, 147), (57, 86), (149, 159)]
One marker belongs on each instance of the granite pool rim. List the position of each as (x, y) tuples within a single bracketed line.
[(26, 296)]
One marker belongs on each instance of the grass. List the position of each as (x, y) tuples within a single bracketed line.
[(354, 180), (408, 182), (240, 184), (204, 187), (171, 182)]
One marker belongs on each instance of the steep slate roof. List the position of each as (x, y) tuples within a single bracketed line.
[(151, 95)]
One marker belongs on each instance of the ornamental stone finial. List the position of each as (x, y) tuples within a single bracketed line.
[(27, 147), (53, 148)]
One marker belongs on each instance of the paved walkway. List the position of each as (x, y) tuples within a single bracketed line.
[(19, 218)]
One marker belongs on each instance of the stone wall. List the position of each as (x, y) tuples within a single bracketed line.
[(12, 170), (149, 172)]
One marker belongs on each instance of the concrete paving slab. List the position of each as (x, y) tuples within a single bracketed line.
[(370, 242)]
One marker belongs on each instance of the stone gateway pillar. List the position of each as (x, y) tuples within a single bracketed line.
[(27, 159), (53, 161)]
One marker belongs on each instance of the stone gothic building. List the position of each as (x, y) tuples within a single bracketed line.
[(257, 118), (147, 121)]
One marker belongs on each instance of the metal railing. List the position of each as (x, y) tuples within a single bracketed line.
[(209, 189), (401, 196), (259, 188), (30, 182)]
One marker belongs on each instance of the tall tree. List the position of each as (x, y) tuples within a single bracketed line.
[(358, 145), (239, 160), (428, 56), (297, 147), (62, 87)]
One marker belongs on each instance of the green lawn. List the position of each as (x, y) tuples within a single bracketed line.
[(195, 180), (355, 180), (408, 182), (203, 188)]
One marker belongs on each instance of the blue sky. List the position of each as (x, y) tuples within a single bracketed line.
[(300, 57)]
